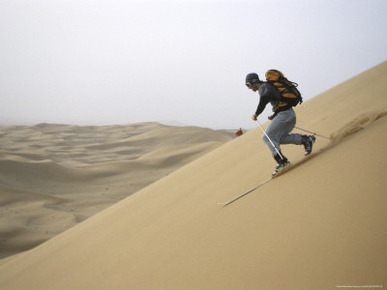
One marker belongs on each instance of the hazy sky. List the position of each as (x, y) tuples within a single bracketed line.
[(119, 62)]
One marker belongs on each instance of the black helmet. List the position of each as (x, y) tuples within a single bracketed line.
[(251, 79)]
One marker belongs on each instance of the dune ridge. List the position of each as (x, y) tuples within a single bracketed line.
[(319, 226)]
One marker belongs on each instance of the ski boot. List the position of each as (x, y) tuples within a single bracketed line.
[(308, 141), (282, 162)]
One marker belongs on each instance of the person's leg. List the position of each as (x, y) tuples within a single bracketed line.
[(288, 125), (275, 131), (279, 129), (296, 139)]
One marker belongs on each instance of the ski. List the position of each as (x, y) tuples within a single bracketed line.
[(311, 132), (282, 171), (245, 193)]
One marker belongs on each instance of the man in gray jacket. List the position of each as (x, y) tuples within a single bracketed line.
[(283, 121)]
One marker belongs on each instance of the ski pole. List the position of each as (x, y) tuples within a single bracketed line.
[(314, 133), (272, 144)]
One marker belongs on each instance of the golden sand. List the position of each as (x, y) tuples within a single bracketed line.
[(321, 225)]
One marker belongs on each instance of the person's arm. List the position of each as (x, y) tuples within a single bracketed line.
[(268, 94), (265, 98)]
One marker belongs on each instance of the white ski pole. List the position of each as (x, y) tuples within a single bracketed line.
[(272, 144), (314, 133)]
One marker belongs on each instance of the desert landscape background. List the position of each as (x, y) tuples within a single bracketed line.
[(55, 176), (321, 225)]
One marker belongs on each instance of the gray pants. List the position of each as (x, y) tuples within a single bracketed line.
[(279, 129)]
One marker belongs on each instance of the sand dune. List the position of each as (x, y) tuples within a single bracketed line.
[(54, 176), (322, 225)]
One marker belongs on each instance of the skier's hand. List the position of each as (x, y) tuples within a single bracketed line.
[(254, 117)]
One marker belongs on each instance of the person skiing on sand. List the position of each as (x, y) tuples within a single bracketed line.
[(282, 123)]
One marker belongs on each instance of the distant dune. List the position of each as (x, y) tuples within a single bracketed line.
[(55, 176), (321, 225)]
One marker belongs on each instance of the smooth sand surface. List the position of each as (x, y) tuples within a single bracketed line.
[(55, 176), (321, 225)]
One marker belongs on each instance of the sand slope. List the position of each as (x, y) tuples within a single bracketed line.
[(319, 226), (55, 176)]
